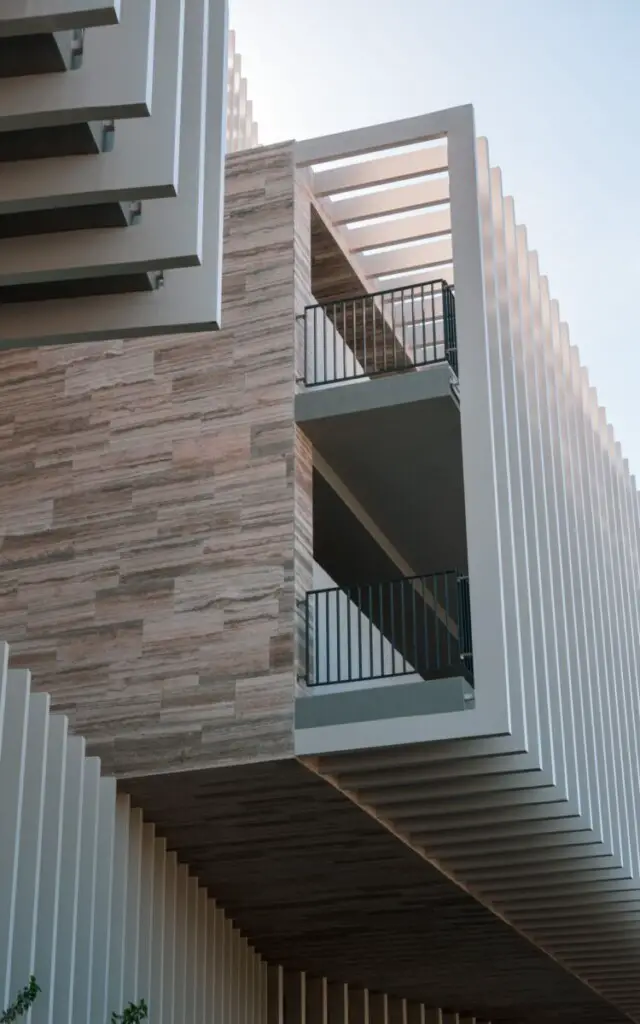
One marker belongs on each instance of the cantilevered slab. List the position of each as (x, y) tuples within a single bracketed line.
[(27, 17), (395, 442), (190, 299), (114, 80), (169, 233), (144, 161)]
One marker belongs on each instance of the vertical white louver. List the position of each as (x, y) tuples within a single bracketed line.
[(91, 902)]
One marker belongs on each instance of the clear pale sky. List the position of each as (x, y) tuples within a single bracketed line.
[(556, 89)]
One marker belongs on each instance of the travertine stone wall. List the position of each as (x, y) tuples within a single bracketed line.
[(147, 513)]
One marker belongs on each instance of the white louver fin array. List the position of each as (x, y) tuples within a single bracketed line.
[(114, 121), (91, 902)]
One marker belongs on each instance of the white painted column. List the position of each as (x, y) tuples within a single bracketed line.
[(104, 887), (49, 895), (29, 856), (88, 855), (12, 768)]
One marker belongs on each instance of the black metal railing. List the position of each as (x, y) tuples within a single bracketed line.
[(414, 626), (386, 332)]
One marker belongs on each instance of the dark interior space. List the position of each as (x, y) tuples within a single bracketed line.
[(419, 616), (342, 545), (38, 54)]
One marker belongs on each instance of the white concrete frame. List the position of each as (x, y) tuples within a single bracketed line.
[(191, 298), (534, 804), (25, 17), (169, 233), (144, 163), (490, 716), (114, 80)]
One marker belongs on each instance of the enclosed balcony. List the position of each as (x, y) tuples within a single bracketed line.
[(379, 402)]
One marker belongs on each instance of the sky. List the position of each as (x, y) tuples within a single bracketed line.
[(556, 89)]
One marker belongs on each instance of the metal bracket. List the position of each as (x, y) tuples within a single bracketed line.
[(77, 48), (108, 140)]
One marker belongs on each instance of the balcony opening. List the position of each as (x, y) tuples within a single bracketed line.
[(369, 617)]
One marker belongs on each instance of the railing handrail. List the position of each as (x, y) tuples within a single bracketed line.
[(386, 583), (441, 282)]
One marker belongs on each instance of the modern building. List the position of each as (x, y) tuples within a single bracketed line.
[(345, 598)]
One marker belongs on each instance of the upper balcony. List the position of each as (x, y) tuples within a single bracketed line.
[(379, 401), (370, 335)]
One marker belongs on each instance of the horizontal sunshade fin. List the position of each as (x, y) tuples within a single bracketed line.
[(114, 81), (27, 17)]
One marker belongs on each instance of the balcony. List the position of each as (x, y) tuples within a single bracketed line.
[(386, 650), (415, 626), (387, 332), (380, 406)]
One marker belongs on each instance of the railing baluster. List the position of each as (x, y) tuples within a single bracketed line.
[(412, 321), (360, 666), (381, 628), (354, 331), (403, 636), (433, 325), (316, 632), (447, 584), (438, 623), (364, 337), (348, 610), (375, 355), (394, 337), (392, 615), (307, 640), (336, 332), (414, 613), (337, 595), (424, 325), (427, 652), (327, 629), (370, 617)]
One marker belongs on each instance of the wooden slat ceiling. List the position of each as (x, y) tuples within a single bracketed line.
[(322, 887)]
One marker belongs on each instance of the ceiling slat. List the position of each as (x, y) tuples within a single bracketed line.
[(408, 258), (406, 229), (388, 201), (380, 171), (405, 280)]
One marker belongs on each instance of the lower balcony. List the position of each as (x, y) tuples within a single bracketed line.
[(385, 651)]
